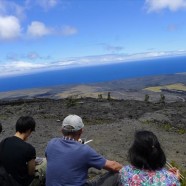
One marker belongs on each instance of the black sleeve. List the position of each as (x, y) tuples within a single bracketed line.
[(31, 153)]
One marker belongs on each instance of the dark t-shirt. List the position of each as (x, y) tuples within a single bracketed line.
[(15, 155)]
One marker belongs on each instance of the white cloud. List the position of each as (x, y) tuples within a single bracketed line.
[(48, 3), (68, 30), (53, 2), (19, 67), (157, 5), (9, 27), (23, 67), (38, 29), (45, 4), (12, 15)]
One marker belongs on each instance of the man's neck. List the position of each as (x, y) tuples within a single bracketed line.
[(75, 138), (21, 136)]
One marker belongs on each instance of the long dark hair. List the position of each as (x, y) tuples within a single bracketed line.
[(146, 151)]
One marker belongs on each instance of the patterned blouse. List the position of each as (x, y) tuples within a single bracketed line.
[(131, 176)]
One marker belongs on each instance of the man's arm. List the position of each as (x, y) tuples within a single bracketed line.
[(31, 167), (112, 166)]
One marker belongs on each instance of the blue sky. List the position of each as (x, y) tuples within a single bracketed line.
[(41, 35)]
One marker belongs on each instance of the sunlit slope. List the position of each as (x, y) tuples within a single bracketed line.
[(173, 87)]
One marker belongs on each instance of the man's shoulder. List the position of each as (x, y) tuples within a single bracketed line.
[(89, 150), (20, 142), (53, 141), (30, 146)]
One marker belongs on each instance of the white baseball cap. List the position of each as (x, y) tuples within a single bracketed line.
[(74, 121)]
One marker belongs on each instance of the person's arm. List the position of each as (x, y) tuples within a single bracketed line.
[(112, 166), (175, 171), (31, 167)]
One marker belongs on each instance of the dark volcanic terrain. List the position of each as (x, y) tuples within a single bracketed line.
[(110, 123)]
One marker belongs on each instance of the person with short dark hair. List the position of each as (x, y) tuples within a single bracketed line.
[(18, 156), (68, 160), (24, 124), (147, 163)]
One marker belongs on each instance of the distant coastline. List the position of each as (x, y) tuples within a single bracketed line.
[(95, 74)]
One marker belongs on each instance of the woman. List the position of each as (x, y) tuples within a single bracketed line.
[(147, 164)]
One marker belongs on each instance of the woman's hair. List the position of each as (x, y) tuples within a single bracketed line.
[(25, 123), (146, 152)]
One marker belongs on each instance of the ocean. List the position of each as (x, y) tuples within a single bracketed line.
[(93, 74)]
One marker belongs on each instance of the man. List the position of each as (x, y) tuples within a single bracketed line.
[(68, 160), (18, 156)]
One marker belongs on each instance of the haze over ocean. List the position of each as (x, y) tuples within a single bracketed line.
[(93, 74)]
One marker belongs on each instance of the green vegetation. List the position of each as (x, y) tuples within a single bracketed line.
[(108, 96), (146, 98), (181, 131), (100, 96), (162, 98), (182, 172), (165, 125), (3, 117), (71, 101), (177, 86)]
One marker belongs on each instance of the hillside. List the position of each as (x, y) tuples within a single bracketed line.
[(110, 123), (135, 88)]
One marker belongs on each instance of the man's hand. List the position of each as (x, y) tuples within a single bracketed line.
[(112, 166)]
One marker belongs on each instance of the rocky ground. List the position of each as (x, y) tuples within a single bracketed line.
[(110, 123)]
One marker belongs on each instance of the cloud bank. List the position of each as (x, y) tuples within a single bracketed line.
[(18, 67)]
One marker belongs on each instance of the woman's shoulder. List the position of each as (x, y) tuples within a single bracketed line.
[(167, 173), (127, 168), (131, 174)]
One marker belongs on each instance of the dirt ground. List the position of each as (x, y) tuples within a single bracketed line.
[(111, 124)]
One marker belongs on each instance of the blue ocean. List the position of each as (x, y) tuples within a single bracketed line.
[(93, 74)]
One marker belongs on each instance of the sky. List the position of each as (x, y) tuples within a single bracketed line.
[(42, 35)]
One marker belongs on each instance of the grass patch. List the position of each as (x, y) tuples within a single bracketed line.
[(182, 172), (181, 131), (165, 126), (177, 86), (3, 117)]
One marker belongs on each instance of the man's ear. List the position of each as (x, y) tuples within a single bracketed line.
[(29, 132), (80, 131)]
